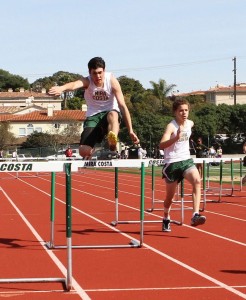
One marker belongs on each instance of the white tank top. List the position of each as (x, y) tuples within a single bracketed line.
[(179, 150), (99, 99)]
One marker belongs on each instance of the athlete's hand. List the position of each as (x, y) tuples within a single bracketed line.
[(55, 90), (134, 138)]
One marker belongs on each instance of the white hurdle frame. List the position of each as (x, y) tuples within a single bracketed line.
[(152, 163), (220, 189), (115, 163), (51, 166)]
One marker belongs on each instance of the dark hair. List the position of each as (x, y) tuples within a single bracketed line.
[(96, 62), (179, 101)]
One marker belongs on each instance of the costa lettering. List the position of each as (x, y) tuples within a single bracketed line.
[(106, 163), (15, 167)]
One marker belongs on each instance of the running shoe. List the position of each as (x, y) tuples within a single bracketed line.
[(198, 220), (166, 225), (112, 140), (244, 180)]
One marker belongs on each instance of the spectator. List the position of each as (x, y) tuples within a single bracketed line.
[(219, 152), (200, 153), (69, 152), (212, 152), (140, 152)]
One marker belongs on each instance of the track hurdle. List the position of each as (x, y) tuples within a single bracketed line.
[(30, 166), (147, 162), (130, 163), (220, 188)]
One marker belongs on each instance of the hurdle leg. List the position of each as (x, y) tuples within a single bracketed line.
[(116, 177), (221, 175), (241, 173), (68, 226), (142, 205), (232, 177), (182, 204), (50, 244), (204, 186), (152, 188)]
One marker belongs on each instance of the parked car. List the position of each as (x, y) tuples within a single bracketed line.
[(239, 138), (24, 157), (221, 138), (61, 155)]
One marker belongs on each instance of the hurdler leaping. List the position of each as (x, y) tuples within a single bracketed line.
[(105, 106)]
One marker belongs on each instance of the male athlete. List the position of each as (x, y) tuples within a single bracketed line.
[(105, 105)]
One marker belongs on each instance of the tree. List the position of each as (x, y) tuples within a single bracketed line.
[(71, 133), (38, 139), (237, 119), (75, 103), (205, 120), (130, 86), (58, 78), (6, 137), (15, 82), (161, 90)]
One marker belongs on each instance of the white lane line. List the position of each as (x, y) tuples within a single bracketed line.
[(205, 276), (215, 281), (80, 291), (133, 208), (161, 288)]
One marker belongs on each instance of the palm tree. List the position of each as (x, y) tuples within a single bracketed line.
[(161, 90)]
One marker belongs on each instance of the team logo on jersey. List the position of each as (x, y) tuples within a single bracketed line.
[(100, 96)]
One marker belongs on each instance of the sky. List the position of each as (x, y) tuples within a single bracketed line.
[(189, 43)]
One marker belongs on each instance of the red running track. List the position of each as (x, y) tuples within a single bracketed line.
[(207, 262)]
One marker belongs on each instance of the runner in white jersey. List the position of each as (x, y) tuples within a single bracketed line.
[(178, 163), (105, 105)]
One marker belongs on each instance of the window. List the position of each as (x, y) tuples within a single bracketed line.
[(38, 129), (30, 129), (22, 131)]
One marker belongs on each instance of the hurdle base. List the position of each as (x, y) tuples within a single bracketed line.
[(176, 222), (150, 209), (132, 244), (49, 245)]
